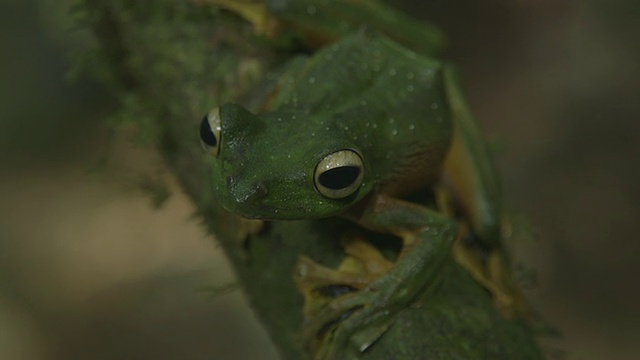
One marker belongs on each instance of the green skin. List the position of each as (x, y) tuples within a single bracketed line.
[(394, 108), (384, 102), (403, 114)]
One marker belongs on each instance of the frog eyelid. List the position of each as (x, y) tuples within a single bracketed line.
[(210, 134), (339, 174)]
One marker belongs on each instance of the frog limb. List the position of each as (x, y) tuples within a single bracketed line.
[(469, 173), (469, 176), (320, 284), (254, 12), (369, 256), (358, 318), (324, 22)]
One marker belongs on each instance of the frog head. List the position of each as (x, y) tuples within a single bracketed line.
[(281, 165)]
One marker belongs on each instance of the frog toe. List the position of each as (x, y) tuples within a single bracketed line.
[(372, 260), (350, 322), (493, 274), (320, 284)]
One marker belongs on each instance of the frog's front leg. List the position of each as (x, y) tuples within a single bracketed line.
[(320, 285), (352, 322)]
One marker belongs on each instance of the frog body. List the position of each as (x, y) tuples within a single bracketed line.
[(351, 131), (391, 110)]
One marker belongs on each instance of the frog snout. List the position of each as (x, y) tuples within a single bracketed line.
[(246, 193)]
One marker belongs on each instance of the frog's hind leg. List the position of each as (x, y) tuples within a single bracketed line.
[(486, 266), (255, 12)]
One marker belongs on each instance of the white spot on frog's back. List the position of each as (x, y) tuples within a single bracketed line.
[(311, 10), (392, 72), (434, 106), (312, 80), (410, 75), (428, 72)]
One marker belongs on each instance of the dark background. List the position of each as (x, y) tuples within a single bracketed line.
[(88, 269)]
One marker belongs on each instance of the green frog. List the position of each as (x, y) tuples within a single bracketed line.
[(362, 129)]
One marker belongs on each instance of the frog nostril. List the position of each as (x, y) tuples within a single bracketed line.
[(261, 191), (246, 193)]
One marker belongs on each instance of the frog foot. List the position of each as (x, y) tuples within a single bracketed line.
[(245, 229), (320, 285), (494, 275), (255, 12), (248, 227), (344, 319), (348, 309), (334, 295)]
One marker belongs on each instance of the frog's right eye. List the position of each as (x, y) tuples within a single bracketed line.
[(210, 132)]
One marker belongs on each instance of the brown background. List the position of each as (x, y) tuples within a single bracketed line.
[(88, 269)]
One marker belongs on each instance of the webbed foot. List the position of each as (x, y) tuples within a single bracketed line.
[(492, 272), (320, 285), (349, 308)]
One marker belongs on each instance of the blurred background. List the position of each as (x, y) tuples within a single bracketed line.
[(90, 269)]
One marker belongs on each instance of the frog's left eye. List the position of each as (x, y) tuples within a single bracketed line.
[(339, 174), (210, 131)]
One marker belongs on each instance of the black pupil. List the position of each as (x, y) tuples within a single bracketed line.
[(206, 134), (340, 177)]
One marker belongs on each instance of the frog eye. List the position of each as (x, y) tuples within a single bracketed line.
[(210, 131), (339, 174)]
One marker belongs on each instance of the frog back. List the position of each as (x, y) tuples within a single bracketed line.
[(387, 101)]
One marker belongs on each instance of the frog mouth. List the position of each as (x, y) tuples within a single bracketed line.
[(275, 213), (270, 213)]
